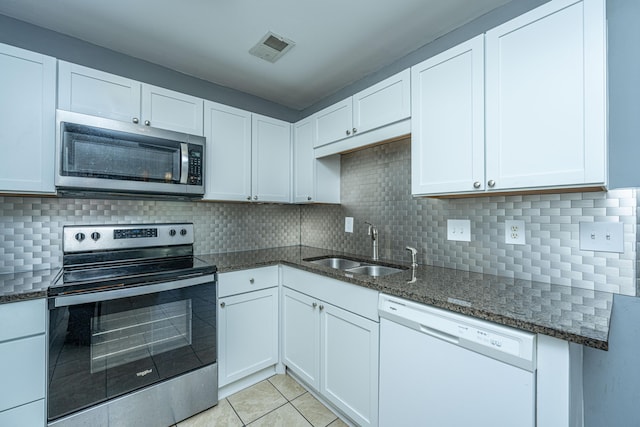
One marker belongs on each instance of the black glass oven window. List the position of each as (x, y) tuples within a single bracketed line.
[(101, 350), (109, 157)]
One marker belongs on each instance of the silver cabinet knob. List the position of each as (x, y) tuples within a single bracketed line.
[(491, 183), (222, 304), (476, 184), (248, 197), (255, 197), (251, 280), (354, 130), (314, 305), (348, 132), (309, 198), (321, 307), (136, 120), (147, 123)]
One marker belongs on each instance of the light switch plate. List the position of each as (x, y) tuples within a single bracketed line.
[(348, 224), (459, 229), (602, 236)]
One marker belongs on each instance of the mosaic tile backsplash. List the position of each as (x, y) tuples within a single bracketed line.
[(31, 233), (376, 187)]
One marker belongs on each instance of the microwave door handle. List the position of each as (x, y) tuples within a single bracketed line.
[(184, 157)]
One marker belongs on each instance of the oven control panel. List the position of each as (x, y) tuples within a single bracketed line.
[(83, 238)]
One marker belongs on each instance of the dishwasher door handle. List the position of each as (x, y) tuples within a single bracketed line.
[(439, 334)]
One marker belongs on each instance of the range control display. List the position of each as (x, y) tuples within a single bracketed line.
[(135, 233)]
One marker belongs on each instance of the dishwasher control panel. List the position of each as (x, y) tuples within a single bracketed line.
[(500, 342)]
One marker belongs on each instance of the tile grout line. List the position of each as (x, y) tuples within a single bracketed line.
[(295, 407), (235, 412)]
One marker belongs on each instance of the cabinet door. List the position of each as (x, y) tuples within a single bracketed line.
[(546, 97), (22, 369), (247, 334), (349, 364), (303, 161), (383, 103), (334, 123), (166, 109), (27, 121), (447, 125), (89, 91), (301, 336), (271, 158), (228, 166), (29, 415)]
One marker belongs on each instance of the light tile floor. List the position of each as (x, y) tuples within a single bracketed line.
[(275, 402)]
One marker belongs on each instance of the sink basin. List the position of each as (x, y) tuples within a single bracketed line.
[(374, 270), (337, 263)]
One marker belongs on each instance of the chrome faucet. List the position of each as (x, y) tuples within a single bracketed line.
[(373, 232), (414, 253)]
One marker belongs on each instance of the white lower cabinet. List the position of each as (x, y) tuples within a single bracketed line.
[(247, 325), (332, 349), (22, 364)]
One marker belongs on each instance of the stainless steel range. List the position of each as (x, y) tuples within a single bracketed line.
[(132, 328)]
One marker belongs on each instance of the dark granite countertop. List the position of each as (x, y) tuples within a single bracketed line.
[(572, 314), (25, 285)]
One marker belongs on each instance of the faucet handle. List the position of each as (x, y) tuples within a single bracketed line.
[(414, 253)]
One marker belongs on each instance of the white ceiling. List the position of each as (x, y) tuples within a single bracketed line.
[(337, 41)]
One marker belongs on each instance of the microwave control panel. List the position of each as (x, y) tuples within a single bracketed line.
[(195, 165)]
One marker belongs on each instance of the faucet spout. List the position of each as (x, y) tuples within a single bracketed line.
[(373, 232), (414, 253)]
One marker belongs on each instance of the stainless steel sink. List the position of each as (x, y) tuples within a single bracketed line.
[(374, 270), (337, 263), (357, 267)]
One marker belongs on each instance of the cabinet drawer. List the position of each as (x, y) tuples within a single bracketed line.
[(29, 415), (22, 371), (354, 298), (25, 317), (238, 282)]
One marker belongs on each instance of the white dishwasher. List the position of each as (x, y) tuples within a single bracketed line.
[(443, 369)]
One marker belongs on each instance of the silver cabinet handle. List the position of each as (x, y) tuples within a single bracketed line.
[(136, 120), (321, 307), (309, 198), (476, 184), (354, 130), (251, 280), (222, 304), (255, 197), (248, 197), (348, 132), (491, 183), (147, 123), (314, 305)]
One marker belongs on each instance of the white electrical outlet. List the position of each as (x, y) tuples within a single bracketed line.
[(602, 236), (348, 224), (459, 229), (514, 232)]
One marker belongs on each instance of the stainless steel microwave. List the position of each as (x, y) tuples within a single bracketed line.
[(94, 154)]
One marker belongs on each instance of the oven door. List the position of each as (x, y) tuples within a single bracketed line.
[(106, 344)]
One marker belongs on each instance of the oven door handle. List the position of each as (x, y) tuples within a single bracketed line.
[(97, 296)]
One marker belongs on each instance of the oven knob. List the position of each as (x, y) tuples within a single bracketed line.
[(79, 237), (172, 232), (95, 236), (183, 232)]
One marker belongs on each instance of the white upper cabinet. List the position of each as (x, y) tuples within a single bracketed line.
[(27, 115), (271, 154), (447, 127), (228, 162), (248, 156), (382, 104), (314, 180), (546, 98), (85, 90)]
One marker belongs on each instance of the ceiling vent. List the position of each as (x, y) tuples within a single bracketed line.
[(271, 47)]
